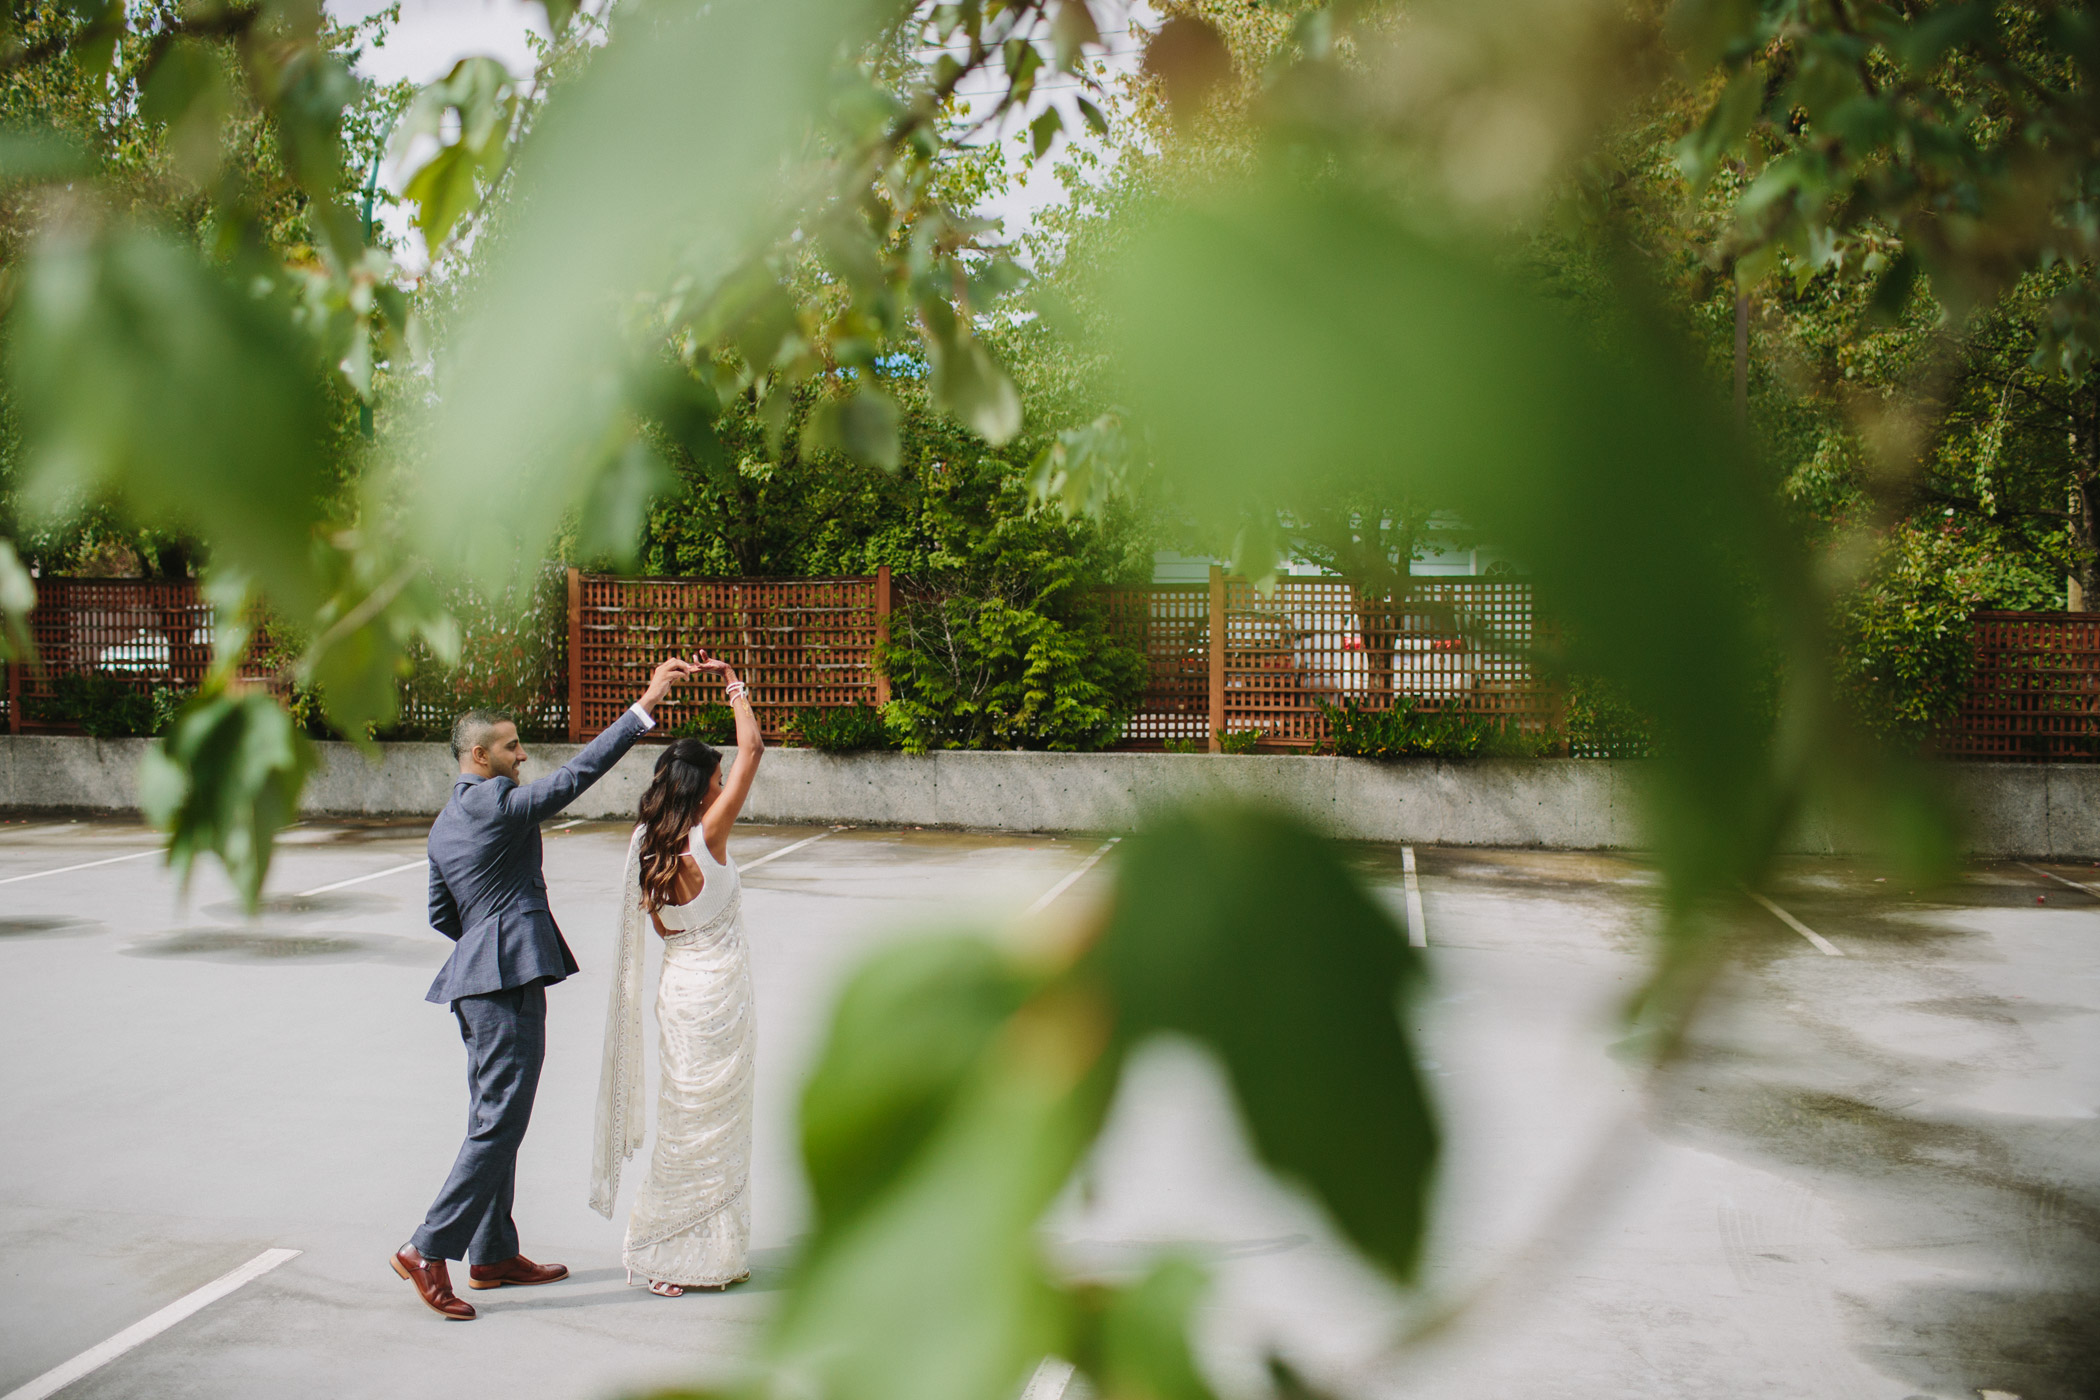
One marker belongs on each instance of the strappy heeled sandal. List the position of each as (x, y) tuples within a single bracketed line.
[(657, 1286)]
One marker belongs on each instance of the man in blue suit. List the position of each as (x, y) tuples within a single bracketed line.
[(488, 896)]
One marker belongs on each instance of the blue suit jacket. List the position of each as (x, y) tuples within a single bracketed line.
[(486, 891)]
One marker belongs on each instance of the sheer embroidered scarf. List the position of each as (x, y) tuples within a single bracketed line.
[(620, 1118)]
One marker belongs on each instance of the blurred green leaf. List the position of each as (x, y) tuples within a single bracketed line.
[(17, 597), (864, 425), (559, 13), (1709, 30), (1701, 150), (478, 96), (139, 368), (934, 1289), (225, 780), (32, 157), (377, 612), (1923, 42), (102, 24), (619, 195), (1137, 1343), (970, 384), (444, 191), (610, 527), (1044, 130), (1097, 123), (1072, 28), (905, 1036), (189, 93), (1596, 455), (1245, 930)]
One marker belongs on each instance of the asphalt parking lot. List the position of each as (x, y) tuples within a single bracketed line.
[(1875, 1172)]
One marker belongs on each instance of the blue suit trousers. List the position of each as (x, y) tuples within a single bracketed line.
[(506, 1037)]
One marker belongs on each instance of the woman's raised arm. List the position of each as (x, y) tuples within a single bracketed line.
[(722, 813)]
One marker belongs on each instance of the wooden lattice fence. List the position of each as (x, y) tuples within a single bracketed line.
[(2034, 694), (147, 634), (798, 643), (1226, 657)]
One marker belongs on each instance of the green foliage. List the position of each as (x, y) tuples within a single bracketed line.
[(711, 724), (226, 779), (1906, 649), (1447, 731), (169, 702), (17, 597), (843, 729), (960, 1085), (1244, 930), (1234, 741), (506, 649), (1038, 671), (1601, 724), (481, 101), (774, 196), (142, 369), (99, 705)]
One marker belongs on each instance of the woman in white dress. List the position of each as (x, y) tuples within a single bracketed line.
[(691, 1223)]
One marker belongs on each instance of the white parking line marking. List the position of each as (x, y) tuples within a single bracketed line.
[(776, 855), (1050, 1380), (1417, 925), (84, 865), (1823, 945), (2074, 884), (144, 1330), (1043, 901), (354, 880)]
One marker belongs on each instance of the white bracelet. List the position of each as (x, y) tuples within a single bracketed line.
[(735, 690)]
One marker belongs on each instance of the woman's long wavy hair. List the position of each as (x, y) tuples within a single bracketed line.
[(669, 810)]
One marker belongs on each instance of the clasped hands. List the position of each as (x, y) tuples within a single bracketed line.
[(673, 669)]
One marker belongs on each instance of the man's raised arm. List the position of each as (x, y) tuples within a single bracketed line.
[(540, 800)]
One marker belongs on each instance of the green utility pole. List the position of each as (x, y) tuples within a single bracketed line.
[(364, 406)]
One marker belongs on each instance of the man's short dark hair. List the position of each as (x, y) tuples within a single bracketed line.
[(473, 728)]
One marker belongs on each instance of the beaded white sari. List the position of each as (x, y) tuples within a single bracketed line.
[(691, 1222)]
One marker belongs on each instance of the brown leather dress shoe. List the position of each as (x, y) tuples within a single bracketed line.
[(433, 1284), (517, 1270)]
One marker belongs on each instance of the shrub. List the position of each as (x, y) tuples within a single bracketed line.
[(168, 701), (845, 729), (711, 724), (1603, 724), (98, 704), (1035, 671), (1237, 741), (1905, 642), (1447, 732)]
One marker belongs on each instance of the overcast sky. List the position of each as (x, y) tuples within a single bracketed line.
[(432, 35)]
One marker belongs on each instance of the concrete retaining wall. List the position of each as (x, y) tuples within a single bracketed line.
[(2009, 809)]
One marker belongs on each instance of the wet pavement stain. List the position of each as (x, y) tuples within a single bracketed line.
[(48, 926), (1992, 1199), (245, 945), (298, 905)]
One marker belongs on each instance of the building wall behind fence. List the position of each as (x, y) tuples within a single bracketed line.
[(1278, 657), (147, 633)]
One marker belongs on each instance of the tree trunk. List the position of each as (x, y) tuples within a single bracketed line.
[(2085, 529), (2085, 502)]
